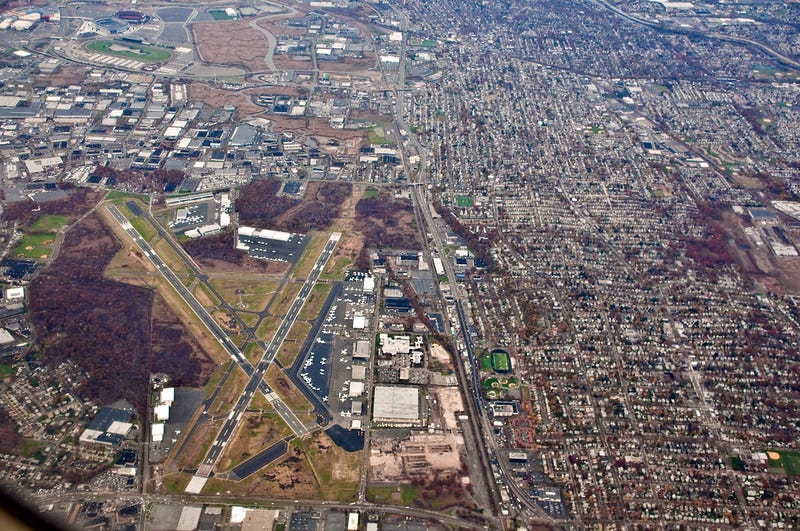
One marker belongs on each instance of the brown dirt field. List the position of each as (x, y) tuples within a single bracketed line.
[(790, 274), (441, 355), (285, 62), (336, 470), (225, 320), (275, 89), (350, 64), (319, 128), (231, 43), (219, 98), (64, 77), (281, 384), (256, 431), (291, 478), (278, 29), (196, 448), (370, 116), (228, 395), (251, 265)]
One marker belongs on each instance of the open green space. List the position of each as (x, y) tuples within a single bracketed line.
[(176, 483), (7, 370), (486, 362), (221, 14), (371, 192), (48, 224), (375, 136), (252, 295), (497, 383), (32, 449), (129, 50), (501, 361), (788, 460), (392, 495), (336, 268), (118, 197), (144, 228), (35, 246), (464, 201), (315, 301)]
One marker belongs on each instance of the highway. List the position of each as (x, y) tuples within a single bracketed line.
[(257, 376), (254, 384)]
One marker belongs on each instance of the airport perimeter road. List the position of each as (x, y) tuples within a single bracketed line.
[(257, 378), (283, 410)]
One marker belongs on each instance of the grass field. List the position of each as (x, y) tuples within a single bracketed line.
[(315, 301), (486, 362), (284, 300), (250, 319), (392, 495), (117, 197), (48, 224), (789, 461), (7, 370), (312, 251), (38, 243), (336, 268), (35, 246), (501, 361), (176, 483), (147, 54), (464, 201), (267, 328), (221, 14), (253, 295), (375, 136)]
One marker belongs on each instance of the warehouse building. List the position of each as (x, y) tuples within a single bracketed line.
[(397, 405)]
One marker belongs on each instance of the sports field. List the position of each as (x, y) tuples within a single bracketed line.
[(787, 460), (464, 201), (501, 361), (129, 50), (37, 244)]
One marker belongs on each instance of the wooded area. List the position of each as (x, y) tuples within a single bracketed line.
[(107, 327)]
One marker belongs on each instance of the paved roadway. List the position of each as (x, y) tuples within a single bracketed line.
[(443, 518), (283, 410), (257, 377)]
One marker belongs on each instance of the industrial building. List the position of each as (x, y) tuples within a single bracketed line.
[(397, 405), (110, 426)]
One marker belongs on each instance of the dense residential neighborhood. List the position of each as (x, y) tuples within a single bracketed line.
[(400, 265)]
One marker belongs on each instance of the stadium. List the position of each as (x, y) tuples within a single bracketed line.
[(111, 25)]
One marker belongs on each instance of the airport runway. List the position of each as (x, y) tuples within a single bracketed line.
[(257, 377), (255, 374)]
